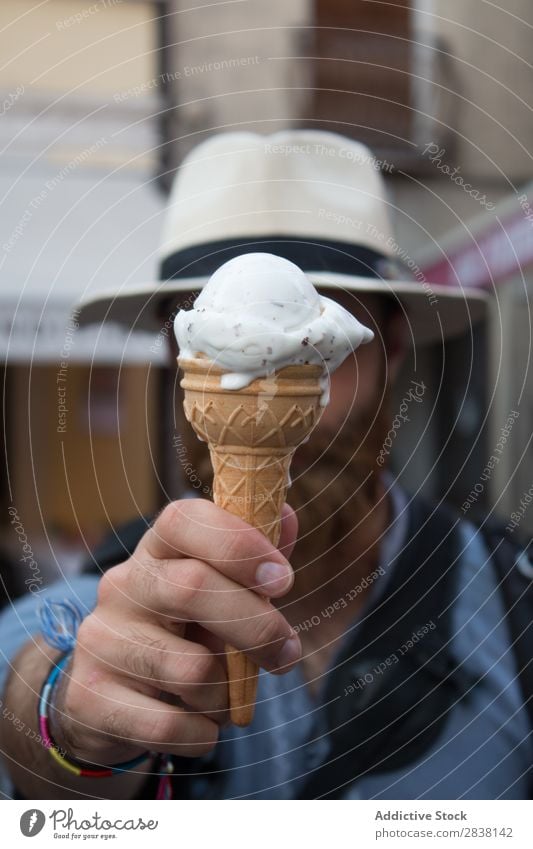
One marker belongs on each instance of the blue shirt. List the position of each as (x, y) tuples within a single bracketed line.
[(484, 750)]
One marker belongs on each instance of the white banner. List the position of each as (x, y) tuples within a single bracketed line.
[(264, 825)]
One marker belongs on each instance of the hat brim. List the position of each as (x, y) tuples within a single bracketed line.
[(434, 312)]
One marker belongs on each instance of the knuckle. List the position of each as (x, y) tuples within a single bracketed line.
[(167, 524), (190, 582), (269, 630), (237, 546), (112, 582), (89, 633), (147, 575), (201, 511), (116, 725), (199, 668), (140, 663), (230, 543), (105, 588), (165, 521), (162, 727), (78, 698), (145, 657)]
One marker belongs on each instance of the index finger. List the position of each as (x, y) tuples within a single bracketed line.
[(198, 529)]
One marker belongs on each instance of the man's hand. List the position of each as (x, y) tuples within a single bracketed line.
[(148, 671)]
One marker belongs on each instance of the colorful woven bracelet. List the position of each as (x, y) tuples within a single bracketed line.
[(60, 621), (58, 755)]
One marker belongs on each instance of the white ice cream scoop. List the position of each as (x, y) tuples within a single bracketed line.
[(259, 313)]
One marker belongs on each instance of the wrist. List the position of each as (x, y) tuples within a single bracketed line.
[(56, 713), (69, 740)]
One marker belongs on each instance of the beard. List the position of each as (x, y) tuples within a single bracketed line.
[(336, 492), (338, 496)]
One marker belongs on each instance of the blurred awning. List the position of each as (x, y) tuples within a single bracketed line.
[(70, 229), (488, 250)]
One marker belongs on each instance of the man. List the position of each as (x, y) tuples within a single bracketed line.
[(383, 640)]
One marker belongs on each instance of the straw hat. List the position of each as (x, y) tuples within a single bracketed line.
[(314, 197)]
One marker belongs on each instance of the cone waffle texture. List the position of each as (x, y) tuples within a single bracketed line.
[(252, 434)]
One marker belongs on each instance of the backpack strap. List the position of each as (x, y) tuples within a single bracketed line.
[(388, 698)]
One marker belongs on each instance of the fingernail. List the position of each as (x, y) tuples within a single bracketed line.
[(291, 651), (273, 578)]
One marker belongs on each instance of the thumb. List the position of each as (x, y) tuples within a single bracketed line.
[(289, 531)]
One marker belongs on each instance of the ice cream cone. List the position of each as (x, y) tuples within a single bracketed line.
[(252, 434)]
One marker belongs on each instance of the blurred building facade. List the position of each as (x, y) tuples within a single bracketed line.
[(81, 211)]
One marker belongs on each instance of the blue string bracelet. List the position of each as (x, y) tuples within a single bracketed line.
[(60, 621)]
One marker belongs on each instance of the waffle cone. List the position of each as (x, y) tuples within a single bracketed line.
[(252, 434)]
